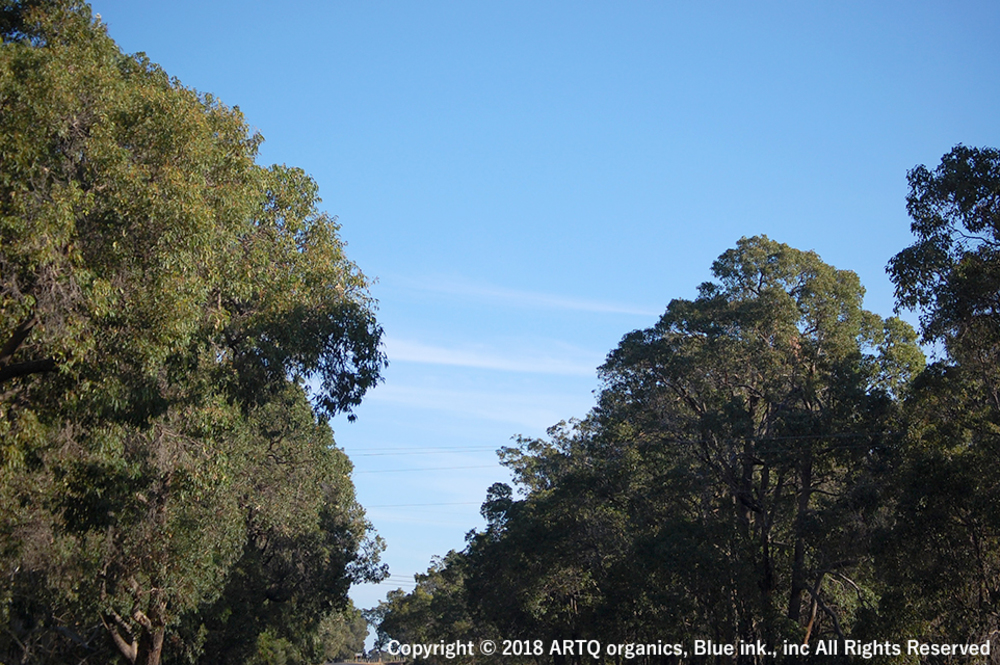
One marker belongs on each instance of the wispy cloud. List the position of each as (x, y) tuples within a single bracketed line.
[(532, 411), (580, 364), (451, 286)]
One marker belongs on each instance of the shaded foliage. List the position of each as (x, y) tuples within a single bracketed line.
[(942, 565)]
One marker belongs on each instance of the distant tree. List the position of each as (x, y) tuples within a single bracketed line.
[(341, 635), (163, 302), (436, 610)]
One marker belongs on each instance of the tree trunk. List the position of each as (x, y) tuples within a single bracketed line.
[(799, 556), (146, 648), (150, 646)]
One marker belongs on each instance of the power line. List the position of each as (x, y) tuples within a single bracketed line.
[(404, 448), (425, 451), (413, 505), (436, 468)]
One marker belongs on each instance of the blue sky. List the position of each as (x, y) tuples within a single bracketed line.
[(529, 181)]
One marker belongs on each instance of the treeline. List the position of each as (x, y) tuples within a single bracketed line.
[(177, 323), (769, 463)]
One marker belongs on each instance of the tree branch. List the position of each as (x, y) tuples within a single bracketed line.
[(127, 649), (829, 612), (14, 343), (16, 370)]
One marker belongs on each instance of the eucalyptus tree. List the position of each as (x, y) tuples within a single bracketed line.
[(725, 484), (942, 561), (164, 302), (436, 610), (951, 274)]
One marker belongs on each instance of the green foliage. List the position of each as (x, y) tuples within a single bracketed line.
[(952, 272), (725, 486), (340, 635), (437, 609), (163, 301), (303, 546), (941, 558)]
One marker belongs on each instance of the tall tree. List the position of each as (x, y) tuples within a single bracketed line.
[(163, 302), (724, 484), (942, 557)]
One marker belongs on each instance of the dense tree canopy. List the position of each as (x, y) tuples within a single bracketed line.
[(723, 487), (943, 564), (164, 304), (952, 271), (437, 609)]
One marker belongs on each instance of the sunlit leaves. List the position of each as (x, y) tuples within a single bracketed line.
[(163, 301)]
